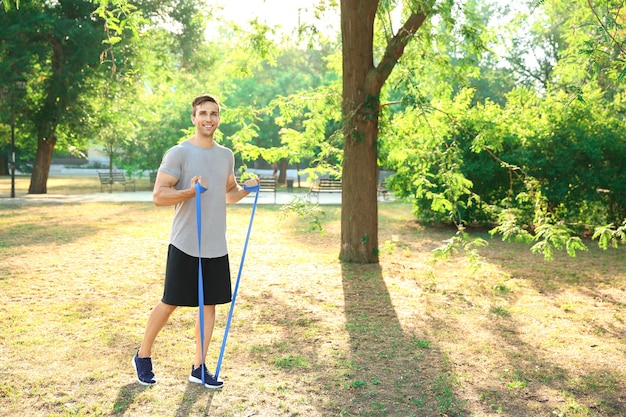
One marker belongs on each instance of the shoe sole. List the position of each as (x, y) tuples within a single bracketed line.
[(199, 381), (147, 384)]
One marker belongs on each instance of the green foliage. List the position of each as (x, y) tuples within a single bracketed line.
[(310, 128), (8, 4), (285, 110), (310, 213), (538, 151), (609, 235), (544, 165), (551, 237), (532, 167), (462, 242)]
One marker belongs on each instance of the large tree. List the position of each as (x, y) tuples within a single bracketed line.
[(71, 45), (61, 40), (362, 84)]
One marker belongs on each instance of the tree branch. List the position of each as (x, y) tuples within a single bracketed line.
[(605, 28), (396, 46)]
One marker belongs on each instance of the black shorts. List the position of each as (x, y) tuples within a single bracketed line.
[(181, 279)]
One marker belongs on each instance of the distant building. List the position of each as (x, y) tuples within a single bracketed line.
[(96, 156)]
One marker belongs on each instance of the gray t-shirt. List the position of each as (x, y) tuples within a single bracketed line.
[(215, 165)]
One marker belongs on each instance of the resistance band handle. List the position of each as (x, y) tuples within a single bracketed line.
[(200, 188), (251, 188)]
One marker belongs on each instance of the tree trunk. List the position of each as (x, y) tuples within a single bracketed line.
[(359, 205), (362, 83), (282, 171), (41, 169), (4, 165), (47, 121)]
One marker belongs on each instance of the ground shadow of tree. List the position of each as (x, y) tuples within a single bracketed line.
[(394, 372), (38, 233), (548, 383)]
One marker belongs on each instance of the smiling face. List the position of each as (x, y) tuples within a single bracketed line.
[(206, 118)]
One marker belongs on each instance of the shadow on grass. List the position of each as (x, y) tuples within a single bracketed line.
[(126, 397), (394, 373), (532, 381), (194, 393), (42, 229), (129, 392), (34, 233), (536, 377)]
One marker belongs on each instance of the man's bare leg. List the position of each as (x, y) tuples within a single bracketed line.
[(157, 320), (209, 324)]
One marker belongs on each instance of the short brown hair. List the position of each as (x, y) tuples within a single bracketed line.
[(203, 98)]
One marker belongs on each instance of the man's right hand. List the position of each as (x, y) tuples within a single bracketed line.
[(199, 179)]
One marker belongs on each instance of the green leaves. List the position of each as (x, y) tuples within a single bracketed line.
[(609, 236), (551, 237), (119, 15), (8, 4), (461, 242)]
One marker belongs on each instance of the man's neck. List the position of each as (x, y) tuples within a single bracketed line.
[(202, 141)]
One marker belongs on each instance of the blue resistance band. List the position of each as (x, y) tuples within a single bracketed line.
[(243, 258), (200, 189)]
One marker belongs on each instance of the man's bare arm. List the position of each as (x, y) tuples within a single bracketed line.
[(235, 192), (165, 192)]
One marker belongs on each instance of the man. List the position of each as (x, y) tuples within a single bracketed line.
[(197, 159)]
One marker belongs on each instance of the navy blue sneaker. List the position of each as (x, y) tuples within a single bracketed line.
[(143, 367), (209, 379)]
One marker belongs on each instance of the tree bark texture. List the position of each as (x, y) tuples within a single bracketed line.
[(4, 164), (41, 167), (45, 149), (359, 205), (362, 83)]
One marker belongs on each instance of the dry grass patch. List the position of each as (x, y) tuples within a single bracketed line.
[(311, 336)]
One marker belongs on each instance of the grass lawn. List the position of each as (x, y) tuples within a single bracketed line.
[(73, 184), (68, 184), (519, 336)]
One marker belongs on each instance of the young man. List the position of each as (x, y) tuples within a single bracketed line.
[(197, 159)]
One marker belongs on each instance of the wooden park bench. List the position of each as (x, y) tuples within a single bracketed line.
[(268, 184), (116, 177), (382, 190), (325, 185), (152, 179)]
